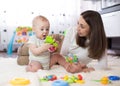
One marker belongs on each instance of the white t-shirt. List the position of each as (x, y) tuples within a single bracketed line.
[(69, 46), (43, 58)]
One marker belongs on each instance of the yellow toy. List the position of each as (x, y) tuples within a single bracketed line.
[(20, 81), (105, 80)]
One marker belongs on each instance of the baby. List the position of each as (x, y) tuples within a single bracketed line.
[(39, 55)]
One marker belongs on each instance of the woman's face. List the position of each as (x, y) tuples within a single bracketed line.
[(83, 28)]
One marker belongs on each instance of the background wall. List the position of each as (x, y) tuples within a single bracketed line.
[(62, 14)]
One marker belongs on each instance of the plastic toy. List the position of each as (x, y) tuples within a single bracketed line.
[(74, 79), (104, 80), (10, 45), (19, 81), (49, 39), (60, 83), (49, 78), (114, 78), (71, 58)]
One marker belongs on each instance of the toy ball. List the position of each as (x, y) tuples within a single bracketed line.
[(60, 83)]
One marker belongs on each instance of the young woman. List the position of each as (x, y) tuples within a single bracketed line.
[(87, 41)]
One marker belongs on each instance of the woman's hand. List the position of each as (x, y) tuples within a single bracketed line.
[(78, 67), (75, 67)]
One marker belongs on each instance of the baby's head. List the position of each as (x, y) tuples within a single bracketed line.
[(41, 25)]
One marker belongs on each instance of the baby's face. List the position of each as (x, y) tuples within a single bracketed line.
[(42, 29)]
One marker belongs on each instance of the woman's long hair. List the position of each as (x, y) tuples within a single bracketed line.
[(97, 38)]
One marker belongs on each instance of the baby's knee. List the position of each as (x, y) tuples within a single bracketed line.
[(33, 67)]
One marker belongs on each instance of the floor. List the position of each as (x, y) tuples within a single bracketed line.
[(5, 55)]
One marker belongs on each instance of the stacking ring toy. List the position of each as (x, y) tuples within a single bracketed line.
[(60, 83), (19, 81), (114, 78)]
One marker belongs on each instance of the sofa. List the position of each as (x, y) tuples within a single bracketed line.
[(23, 55)]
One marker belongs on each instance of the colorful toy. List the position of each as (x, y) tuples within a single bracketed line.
[(49, 39), (114, 78), (23, 37), (48, 78), (74, 79), (60, 83), (71, 58), (104, 80), (19, 81), (107, 79)]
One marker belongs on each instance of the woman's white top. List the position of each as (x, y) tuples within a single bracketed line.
[(43, 58), (69, 46)]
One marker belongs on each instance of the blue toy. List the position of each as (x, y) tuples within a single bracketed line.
[(10, 45), (60, 83), (114, 78)]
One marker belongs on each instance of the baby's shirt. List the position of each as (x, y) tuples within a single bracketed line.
[(43, 58)]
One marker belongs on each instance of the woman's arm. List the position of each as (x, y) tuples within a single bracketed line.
[(66, 42)]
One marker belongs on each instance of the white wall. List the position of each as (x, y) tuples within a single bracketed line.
[(62, 14), (21, 12)]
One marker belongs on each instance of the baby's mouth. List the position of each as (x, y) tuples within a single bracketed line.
[(44, 36)]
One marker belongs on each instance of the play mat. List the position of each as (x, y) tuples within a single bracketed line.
[(11, 72)]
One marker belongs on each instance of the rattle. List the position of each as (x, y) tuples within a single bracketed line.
[(50, 40), (71, 58)]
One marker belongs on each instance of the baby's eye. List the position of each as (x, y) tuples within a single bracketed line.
[(47, 29), (41, 29)]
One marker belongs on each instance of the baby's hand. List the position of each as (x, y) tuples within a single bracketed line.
[(46, 46)]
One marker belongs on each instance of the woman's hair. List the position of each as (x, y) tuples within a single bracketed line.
[(97, 38)]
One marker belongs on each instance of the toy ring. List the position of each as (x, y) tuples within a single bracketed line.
[(60, 83), (19, 81), (114, 78)]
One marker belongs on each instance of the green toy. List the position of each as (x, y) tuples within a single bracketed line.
[(50, 39), (71, 58)]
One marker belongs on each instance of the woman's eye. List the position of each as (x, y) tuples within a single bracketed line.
[(81, 26)]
